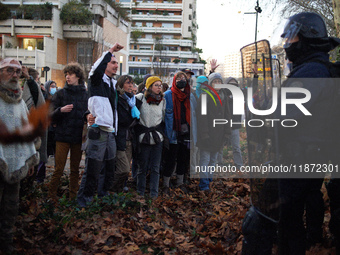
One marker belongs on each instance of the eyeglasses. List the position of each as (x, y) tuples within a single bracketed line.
[(11, 70), (158, 85)]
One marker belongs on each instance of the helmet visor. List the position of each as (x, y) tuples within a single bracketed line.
[(291, 30)]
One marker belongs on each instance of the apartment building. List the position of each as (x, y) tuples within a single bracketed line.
[(40, 41), (163, 36), (232, 65)]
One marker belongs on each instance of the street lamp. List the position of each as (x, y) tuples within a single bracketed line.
[(120, 65)]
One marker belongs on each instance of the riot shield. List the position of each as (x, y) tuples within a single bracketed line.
[(261, 73)]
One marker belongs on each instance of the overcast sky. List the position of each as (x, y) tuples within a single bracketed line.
[(224, 28)]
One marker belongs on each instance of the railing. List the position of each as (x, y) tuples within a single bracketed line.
[(152, 17), (152, 5), (34, 58), (180, 42), (192, 66), (24, 26), (93, 31), (179, 54), (158, 29)]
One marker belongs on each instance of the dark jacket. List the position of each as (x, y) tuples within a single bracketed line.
[(69, 126), (210, 138), (310, 129), (124, 121)]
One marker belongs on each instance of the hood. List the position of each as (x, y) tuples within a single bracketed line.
[(232, 81), (47, 86)]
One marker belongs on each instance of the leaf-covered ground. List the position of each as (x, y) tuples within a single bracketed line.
[(193, 223)]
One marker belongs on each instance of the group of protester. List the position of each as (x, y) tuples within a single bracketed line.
[(151, 134)]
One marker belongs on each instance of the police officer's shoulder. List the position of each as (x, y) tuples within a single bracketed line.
[(312, 70)]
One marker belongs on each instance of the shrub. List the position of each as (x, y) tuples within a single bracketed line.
[(75, 13)]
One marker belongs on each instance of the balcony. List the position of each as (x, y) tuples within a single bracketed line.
[(32, 58), (151, 17), (93, 32), (180, 42), (24, 26), (160, 30), (32, 2), (167, 65), (152, 6), (175, 54)]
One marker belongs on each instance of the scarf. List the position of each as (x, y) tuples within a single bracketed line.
[(131, 100), (179, 96), (154, 99)]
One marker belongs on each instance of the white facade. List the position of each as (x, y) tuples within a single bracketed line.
[(168, 32), (232, 65)]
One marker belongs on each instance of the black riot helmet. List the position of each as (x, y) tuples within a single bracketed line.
[(312, 28)]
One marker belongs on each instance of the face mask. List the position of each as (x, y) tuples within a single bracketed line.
[(53, 91), (293, 52), (181, 84)]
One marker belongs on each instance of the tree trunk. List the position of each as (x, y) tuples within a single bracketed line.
[(336, 8)]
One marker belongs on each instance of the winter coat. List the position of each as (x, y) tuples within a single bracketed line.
[(310, 129), (102, 94), (69, 125), (210, 138), (124, 120)]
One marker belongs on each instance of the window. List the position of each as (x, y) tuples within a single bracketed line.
[(189, 28), (133, 58), (135, 47), (190, 6), (84, 54), (139, 24), (149, 24), (148, 36), (189, 16), (144, 59), (168, 37), (168, 25), (145, 47)]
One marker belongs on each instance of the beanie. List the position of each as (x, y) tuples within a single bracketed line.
[(151, 80), (214, 76)]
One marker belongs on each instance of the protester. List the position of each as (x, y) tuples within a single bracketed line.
[(150, 135), (141, 86), (128, 115), (189, 74), (70, 104), (33, 97), (177, 130), (165, 87), (101, 143), (16, 160), (235, 129), (51, 89), (210, 139)]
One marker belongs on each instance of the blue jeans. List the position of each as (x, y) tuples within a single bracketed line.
[(207, 158), (99, 166), (149, 158)]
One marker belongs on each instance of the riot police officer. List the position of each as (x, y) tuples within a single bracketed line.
[(306, 45)]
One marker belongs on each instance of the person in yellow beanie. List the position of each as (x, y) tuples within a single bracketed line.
[(150, 135)]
